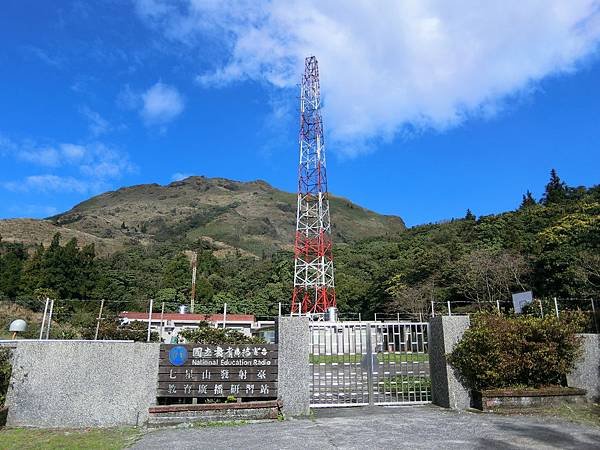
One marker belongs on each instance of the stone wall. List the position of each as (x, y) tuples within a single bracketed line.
[(76, 384), (294, 369), (444, 333), (587, 371)]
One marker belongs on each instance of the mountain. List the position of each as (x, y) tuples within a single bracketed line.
[(253, 217)]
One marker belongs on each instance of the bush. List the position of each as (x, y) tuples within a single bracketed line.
[(205, 334), (111, 329), (517, 351), (5, 371)]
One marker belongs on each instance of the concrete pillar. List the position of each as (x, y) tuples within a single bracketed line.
[(444, 333), (586, 374), (294, 371)]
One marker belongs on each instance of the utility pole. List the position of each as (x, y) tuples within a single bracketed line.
[(314, 288), (194, 269)]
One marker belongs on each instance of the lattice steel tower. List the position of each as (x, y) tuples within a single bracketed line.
[(314, 288)]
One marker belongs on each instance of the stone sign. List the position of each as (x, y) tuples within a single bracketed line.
[(197, 370)]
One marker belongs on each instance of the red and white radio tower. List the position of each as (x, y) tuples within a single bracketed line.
[(314, 289)]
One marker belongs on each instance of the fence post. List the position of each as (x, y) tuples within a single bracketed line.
[(49, 319), (44, 318), (99, 319), (359, 317), (556, 306), (162, 316), (594, 314), (432, 309), (375, 317), (149, 319), (498, 304), (449, 310), (541, 307), (224, 314), (279, 309)]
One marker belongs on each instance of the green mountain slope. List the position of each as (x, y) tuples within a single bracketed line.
[(251, 216)]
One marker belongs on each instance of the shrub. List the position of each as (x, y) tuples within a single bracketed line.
[(517, 351), (205, 334), (111, 329), (5, 371)]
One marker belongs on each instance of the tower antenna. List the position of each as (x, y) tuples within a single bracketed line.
[(314, 287)]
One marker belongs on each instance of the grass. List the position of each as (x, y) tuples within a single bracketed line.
[(406, 384), (222, 423), (106, 439), (396, 358), (588, 414)]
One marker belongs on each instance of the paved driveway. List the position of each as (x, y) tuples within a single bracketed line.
[(402, 427)]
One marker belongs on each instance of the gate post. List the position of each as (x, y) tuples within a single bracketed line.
[(369, 362), (444, 333), (294, 369)]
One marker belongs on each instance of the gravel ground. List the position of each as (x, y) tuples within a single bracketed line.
[(401, 427)]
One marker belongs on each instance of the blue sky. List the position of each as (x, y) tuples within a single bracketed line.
[(422, 121)]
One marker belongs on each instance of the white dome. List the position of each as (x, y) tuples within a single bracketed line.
[(18, 325)]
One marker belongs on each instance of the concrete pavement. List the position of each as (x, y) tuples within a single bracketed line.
[(412, 427)]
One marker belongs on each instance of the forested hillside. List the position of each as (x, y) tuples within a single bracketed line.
[(551, 246)]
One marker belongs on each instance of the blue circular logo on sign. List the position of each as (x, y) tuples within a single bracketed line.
[(178, 355)]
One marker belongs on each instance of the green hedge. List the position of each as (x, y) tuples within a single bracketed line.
[(517, 351), (5, 371)]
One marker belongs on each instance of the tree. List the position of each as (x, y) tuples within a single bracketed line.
[(171, 298), (12, 258), (412, 299), (555, 190), (177, 275), (589, 263), (470, 216), (527, 201), (486, 276)]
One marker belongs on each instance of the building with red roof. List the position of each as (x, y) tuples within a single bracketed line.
[(168, 325)]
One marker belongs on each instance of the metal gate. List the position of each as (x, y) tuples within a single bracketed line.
[(362, 363)]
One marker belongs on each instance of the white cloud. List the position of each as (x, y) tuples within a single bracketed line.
[(48, 183), (178, 176), (42, 155), (78, 168), (6, 146), (128, 98), (161, 104), (103, 163), (98, 125), (72, 152), (45, 156), (42, 55), (389, 67)]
